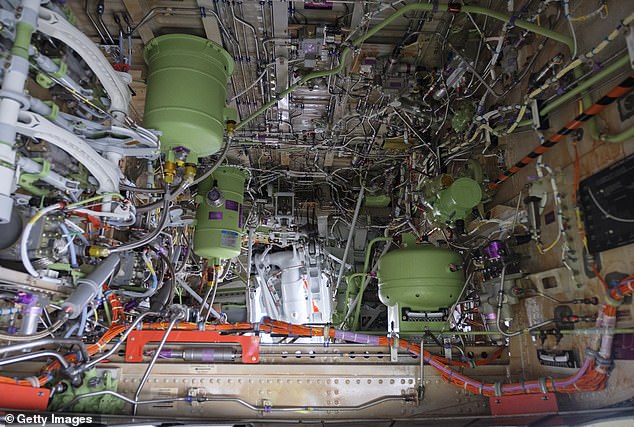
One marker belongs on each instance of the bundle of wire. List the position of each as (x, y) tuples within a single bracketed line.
[(592, 376)]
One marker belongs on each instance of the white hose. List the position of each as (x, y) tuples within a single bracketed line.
[(24, 254)]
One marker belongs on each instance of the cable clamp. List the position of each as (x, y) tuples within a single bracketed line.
[(454, 7), (25, 103), (612, 302), (511, 23)]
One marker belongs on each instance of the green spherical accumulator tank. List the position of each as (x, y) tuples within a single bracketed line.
[(456, 201), (186, 91), (219, 219), (423, 278)]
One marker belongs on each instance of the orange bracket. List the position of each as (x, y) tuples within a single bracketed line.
[(137, 340), (23, 398)]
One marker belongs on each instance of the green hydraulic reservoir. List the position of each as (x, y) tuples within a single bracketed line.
[(419, 284), (186, 91), (456, 201), (219, 218)]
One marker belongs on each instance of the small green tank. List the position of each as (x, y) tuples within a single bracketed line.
[(219, 218)]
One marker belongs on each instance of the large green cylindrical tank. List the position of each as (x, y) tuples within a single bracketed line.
[(219, 217), (423, 278), (186, 91)]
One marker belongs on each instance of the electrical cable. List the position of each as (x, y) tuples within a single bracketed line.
[(606, 213)]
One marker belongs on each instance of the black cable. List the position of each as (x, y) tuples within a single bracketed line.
[(165, 295)]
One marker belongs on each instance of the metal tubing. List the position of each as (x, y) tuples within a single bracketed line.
[(623, 88), (121, 340), (359, 407), (153, 361), (122, 397), (357, 209), (562, 38), (29, 356), (619, 137), (93, 22), (47, 341), (581, 87), (587, 84)]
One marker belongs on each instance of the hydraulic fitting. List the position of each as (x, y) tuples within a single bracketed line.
[(98, 251), (169, 171), (231, 128), (189, 173)]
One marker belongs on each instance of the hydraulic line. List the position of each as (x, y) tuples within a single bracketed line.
[(343, 57), (623, 88), (154, 359), (357, 209)]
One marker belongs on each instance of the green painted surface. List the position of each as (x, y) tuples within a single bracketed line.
[(462, 118), (186, 91), (219, 229), (420, 278), (23, 33), (28, 180), (377, 201), (93, 381), (456, 201)]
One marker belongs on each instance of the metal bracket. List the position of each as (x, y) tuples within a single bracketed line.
[(138, 339), (537, 124)]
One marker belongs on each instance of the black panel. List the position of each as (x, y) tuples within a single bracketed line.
[(610, 192)]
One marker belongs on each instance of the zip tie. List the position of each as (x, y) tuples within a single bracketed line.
[(35, 381), (611, 301), (498, 388), (203, 12)]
